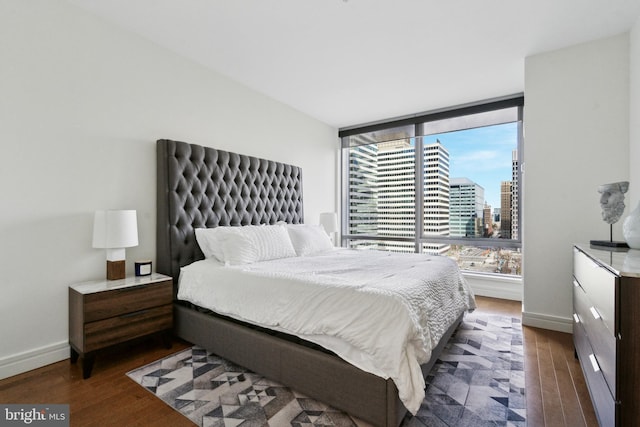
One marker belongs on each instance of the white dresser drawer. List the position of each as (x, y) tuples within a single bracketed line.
[(603, 344), (601, 397), (599, 285), (606, 330)]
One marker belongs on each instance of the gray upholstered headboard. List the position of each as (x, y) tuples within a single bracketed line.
[(204, 187)]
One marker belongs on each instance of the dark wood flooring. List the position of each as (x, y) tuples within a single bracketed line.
[(555, 388)]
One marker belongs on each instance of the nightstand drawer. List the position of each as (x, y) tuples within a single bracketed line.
[(103, 305), (110, 331)]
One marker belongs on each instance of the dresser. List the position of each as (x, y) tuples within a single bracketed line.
[(107, 312), (606, 330)]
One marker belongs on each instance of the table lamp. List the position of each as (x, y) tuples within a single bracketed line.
[(115, 230), (329, 221)]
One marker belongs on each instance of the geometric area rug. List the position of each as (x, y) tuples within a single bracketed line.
[(477, 381)]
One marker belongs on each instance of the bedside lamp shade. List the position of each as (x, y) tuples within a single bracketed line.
[(115, 230), (329, 221)]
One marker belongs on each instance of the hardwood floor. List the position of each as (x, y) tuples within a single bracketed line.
[(555, 389), (108, 397)]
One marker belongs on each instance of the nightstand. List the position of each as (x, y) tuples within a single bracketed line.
[(107, 312)]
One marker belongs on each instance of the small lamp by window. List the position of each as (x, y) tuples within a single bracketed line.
[(115, 230), (329, 221)]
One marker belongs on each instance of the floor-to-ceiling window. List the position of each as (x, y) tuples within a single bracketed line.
[(446, 182)]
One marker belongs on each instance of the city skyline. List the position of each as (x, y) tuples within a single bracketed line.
[(383, 199), (482, 155)]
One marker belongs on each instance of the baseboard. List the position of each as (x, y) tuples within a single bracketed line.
[(546, 321), (495, 286), (33, 359), (511, 288)]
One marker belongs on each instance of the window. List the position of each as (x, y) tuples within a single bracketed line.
[(446, 183)]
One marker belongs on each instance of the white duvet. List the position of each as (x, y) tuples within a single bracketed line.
[(379, 311)]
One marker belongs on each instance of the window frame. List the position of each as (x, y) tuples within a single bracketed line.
[(418, 121)]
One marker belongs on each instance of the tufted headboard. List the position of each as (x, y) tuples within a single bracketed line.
[(204, 187)]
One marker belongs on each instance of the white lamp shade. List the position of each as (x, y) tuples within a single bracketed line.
[(114, 229), (329, 221)]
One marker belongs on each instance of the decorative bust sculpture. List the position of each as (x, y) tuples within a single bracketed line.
[(612, 204), (612, 200)]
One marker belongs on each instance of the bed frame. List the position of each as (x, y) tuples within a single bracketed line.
[(204, 187)]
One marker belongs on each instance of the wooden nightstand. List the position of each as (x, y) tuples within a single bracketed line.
[(107, 312)]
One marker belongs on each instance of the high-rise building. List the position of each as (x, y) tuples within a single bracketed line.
[(363, 192), (505, 209), (487, 221), (466, 208), (436, 195), (514, 195), (396, 193), (382, 193)]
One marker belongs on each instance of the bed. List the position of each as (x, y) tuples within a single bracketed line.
[(204, 188)]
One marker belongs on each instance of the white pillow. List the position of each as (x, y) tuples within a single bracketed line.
[(210, 242), (254, 243), (309, 239)]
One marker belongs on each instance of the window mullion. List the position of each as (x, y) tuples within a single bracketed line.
[(419, 187)]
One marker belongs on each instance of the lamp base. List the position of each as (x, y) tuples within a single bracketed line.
[(609, 243), (115, 270)]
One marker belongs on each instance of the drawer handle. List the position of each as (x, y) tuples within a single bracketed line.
[(135, 313), (576, 284), (576, 318), (594, 313), (594, 363), (129, 289)]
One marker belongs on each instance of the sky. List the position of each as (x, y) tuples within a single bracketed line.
[(482, 155)]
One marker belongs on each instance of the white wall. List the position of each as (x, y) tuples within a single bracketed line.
[(577, 137), (81, 106), (634, 116)]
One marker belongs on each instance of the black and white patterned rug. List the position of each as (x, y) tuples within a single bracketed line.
[(478, 381)]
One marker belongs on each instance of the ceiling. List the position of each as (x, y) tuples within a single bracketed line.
[(349, 62)]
